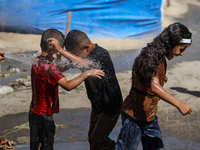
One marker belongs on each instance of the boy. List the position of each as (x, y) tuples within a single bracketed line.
[(105, 95), (45, 78)]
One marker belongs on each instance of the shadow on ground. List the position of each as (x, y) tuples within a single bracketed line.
[(184, 90)]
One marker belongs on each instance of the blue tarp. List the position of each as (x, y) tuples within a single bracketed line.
[(97, 18)]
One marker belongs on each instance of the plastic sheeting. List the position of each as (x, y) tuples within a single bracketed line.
[(97, 18)]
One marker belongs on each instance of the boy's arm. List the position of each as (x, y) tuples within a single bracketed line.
[(164, 95), (1, 55), (60, 64), (62, 67), (82, 63), (71, 84)]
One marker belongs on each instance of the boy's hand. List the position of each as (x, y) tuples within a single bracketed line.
[(184, 109), (1, 55), (54, 43), (94, 73)]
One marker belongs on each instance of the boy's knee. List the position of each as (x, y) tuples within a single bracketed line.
[(104, 143), (95, 138)]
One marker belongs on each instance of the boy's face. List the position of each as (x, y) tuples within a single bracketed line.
[(177, 51)]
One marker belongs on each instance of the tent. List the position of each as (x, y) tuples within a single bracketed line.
[(98, 18)]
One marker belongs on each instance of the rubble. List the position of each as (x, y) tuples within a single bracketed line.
[(21, 83), (13, 69), (6, 144)]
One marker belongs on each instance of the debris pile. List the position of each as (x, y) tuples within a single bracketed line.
[(6, 144), (21, 83), (13, 69)]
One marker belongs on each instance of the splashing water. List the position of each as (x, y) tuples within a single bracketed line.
[(23, 58), (30, 58)]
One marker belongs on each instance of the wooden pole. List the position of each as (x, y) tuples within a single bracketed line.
[(68, 21)]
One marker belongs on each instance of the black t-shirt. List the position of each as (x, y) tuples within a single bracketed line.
[(104, 94)]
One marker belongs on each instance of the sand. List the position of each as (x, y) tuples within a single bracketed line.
[(183, 78)]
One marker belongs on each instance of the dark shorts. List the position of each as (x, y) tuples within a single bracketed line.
[(42, 130), (134, 131)]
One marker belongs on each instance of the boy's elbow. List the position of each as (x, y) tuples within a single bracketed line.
[(64, 84), (67, 89)]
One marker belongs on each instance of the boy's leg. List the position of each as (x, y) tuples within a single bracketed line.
[(47, 132), (151, 138), (130, 134), (34, 137), (102, 129), (93, 120)]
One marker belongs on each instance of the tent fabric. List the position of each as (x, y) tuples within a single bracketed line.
[(97, 18)]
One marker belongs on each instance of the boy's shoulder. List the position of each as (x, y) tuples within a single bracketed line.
[(43, 64), (99, 49)]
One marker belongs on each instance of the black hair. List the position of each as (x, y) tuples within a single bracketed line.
[(51, 33), (146, 63), (76, 39)]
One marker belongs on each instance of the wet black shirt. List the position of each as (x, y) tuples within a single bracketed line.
[(104, 94)]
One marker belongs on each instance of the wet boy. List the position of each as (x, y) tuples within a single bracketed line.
[(105, 94), (45, 78)]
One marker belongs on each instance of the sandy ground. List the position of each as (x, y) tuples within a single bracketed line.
[(183, 78)]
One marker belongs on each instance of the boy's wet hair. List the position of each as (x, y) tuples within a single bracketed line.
[(147, 62), (51, 33), (76, 39)]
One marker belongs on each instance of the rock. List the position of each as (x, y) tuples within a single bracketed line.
[(27, 83), (13, 69), (5, 89)]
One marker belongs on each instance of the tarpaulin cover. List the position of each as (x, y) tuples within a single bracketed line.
[(97, 18)]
